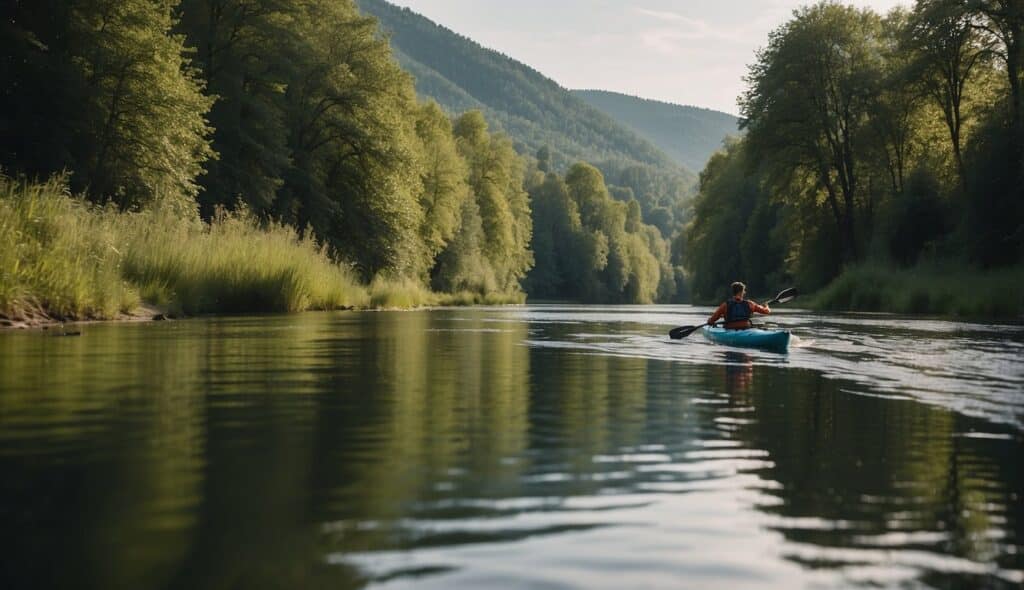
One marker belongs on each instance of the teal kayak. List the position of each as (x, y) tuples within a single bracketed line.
[(776, 340)]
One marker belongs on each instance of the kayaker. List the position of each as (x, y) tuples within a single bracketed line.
[(738, 310)]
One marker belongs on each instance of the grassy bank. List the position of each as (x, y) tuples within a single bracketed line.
[(405, 293), (935, 291), (62, 258)]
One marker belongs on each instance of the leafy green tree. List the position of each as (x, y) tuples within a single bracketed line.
[(809, 99), (624, 269), (992, 226), (896, 107), (557, 244), (715, 240), (1004, 21), (496, 175), (633, 220), (247, 51), (444, 177), (544, 159), (998, 156), (659, 247), (462, 265), (351, 114), (125, 110), (947, 53), (846, 114)]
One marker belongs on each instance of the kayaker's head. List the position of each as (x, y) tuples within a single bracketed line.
[(739, 289)]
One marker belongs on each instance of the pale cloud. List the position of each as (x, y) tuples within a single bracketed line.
[(686, 29), (663, 15)]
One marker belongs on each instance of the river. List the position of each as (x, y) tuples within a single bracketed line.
[(512, 447)]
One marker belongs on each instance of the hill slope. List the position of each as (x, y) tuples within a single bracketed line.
[(689, 135), (534, 110)]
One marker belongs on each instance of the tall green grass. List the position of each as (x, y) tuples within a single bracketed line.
[(994, 294), (65, 259), (234, 264), (59, 256), (402, 293)]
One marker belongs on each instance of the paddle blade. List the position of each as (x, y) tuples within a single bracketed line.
[(785, 296), (682, 332)]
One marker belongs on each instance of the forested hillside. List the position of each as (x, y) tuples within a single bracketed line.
[(890, 147), (536, 113), (534, 110), (689, 135)]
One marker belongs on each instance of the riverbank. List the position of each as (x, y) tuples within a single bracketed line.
[(938, 291), (40, 320), (63, 259)]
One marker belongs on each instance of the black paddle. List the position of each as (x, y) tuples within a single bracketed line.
[(785, 296), (684, 331)]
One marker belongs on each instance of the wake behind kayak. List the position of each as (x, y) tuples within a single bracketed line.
[(773, 340)]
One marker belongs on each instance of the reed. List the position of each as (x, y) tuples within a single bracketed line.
[(59, 257), (234, 264), (63, 258), (407, 293), (400, 293)]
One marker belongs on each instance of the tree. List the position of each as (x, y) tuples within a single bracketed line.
[(808, 104), (444, 177), (126, 110), (1004, 21), (720, 249), (496, 176), (462, 266), (246, 50), (557, 241), (623, 265), (947, 51), (895, 105), (350, 115), (544, 159)]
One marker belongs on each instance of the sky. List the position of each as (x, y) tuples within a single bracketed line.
[(692, 52)]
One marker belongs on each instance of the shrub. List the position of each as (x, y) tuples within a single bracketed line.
[(926, 290)]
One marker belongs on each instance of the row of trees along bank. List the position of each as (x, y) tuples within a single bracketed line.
[(296, 112), (893, 141)]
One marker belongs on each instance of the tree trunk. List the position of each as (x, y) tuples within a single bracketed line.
[(99, 176), (843, 223), (951, 109)]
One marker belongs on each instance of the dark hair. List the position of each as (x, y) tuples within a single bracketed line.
[(738, 288)]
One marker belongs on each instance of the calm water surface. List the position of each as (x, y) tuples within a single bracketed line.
[(533, 447)]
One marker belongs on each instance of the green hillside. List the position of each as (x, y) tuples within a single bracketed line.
[(689, 135), (535, 112), (460, 74)]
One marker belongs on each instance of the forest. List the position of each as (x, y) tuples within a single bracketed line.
[(257, 155), (882, 162), (239, 155)]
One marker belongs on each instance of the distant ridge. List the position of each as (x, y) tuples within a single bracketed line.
[(688, 134)]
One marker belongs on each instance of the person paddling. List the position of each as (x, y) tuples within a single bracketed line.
[(738, 310)]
